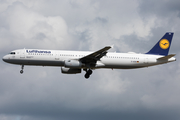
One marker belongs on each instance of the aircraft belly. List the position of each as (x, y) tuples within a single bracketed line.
[(37, 62)]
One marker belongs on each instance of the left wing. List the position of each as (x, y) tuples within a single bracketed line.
[(95, 56)]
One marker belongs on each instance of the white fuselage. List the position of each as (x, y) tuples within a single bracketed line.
[(57, 58)]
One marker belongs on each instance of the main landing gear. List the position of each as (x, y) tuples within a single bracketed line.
[(88, 73), (22, 67)]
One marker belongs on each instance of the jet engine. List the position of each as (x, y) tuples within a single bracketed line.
[(70, 70), (72, 64)]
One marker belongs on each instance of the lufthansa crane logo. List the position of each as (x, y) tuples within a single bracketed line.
[(164, 44)]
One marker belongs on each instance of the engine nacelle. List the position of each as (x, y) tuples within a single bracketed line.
[(70, 70), (72, 64)]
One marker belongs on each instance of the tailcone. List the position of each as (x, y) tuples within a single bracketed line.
[(172, 59)]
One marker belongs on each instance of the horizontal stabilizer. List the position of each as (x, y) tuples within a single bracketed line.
[(166, 57)]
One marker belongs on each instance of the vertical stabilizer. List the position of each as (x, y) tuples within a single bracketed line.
[(163, 45)]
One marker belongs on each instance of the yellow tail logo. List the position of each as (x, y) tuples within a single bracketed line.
[(164, 44)]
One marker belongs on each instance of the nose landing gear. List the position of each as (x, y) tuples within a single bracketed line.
[(22, 67), (88, 73)]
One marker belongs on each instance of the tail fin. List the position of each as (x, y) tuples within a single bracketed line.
[(163, 45)]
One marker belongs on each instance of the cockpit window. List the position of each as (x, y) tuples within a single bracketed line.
[(12, 53)]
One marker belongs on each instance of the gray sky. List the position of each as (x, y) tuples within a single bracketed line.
[(44, 93)]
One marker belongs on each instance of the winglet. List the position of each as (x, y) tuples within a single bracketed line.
[(112, 46)]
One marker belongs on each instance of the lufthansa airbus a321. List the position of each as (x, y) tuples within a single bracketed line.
[(72, 62)]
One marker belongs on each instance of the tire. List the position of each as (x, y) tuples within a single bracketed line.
[(86, 76), (21, 71), (89, 72)]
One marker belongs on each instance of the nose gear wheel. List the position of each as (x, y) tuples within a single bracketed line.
[(22, 67)]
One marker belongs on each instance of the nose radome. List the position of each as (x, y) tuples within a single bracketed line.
[(4, 58)]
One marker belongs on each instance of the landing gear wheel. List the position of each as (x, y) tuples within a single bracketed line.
[(86, 75), (89, 71), (22, 67), (21, 71)]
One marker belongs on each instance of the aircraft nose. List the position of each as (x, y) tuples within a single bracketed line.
[(4, 58)]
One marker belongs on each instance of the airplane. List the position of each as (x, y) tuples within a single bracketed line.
[(73, 62)]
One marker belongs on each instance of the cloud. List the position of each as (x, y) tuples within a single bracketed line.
[(46, 93), (29, 28)]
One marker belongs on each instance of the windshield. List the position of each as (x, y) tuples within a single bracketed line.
[(12, 53)]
